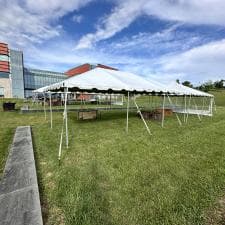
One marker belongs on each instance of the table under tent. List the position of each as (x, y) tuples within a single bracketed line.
[(101, 80)]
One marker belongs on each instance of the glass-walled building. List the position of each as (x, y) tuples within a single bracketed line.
[(34, 79), (17, 77)]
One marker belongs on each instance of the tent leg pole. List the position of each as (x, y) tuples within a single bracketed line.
[(139, 111), (45, 107), (163, 110), (189, 103), (196, 107), (211, 106), (214, 103), (66, 120), (60, 144), (199, 117), (185, 108), (50, 103), (178, 119), (128, 105)]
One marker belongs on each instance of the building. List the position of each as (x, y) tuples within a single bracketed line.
[(86, 67), (17, 81), (34, 79), (5, 77)]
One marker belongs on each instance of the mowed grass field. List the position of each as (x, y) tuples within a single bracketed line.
[(106, 176)]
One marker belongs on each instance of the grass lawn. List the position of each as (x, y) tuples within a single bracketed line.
[(108, 177)]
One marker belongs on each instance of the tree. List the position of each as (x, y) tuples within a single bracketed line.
[(178, 81), (207, 86), (187, 83), (218, 84)]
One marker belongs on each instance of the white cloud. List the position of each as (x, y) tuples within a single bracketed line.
[(54, 8), (199, 64), (28, 22), (77, 18), (122, 16), (192, 11), (205, 62), (150, 44)]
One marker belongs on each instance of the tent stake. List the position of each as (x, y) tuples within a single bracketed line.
[(139, 111)]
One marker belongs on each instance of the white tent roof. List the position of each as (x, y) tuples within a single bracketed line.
[(100, 79), (40, 90), (184, 90)]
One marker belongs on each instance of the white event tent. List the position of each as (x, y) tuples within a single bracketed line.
[(101, 80)]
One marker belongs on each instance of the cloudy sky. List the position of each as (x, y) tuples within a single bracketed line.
[(161, 39)]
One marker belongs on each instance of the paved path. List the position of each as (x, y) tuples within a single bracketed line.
[(19, 194)]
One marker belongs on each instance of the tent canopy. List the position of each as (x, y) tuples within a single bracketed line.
[(105, 80)]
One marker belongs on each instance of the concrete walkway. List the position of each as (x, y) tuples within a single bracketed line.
[(19, 194)]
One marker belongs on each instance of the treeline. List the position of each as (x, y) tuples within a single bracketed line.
[(207, 86)]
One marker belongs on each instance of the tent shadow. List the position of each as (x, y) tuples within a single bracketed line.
[(104, 116)]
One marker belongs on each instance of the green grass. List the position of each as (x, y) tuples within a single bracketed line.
[(108, 176), (219, 97)]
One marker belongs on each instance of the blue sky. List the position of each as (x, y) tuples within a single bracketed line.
[(161, 39)]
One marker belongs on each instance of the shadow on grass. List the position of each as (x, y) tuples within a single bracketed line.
[(43, 198), (104, 116), (5, 145)]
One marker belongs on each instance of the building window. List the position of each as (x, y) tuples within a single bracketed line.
[(1, 91)]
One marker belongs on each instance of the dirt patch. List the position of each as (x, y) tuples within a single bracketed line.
[(216, 215), (56, 216)]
